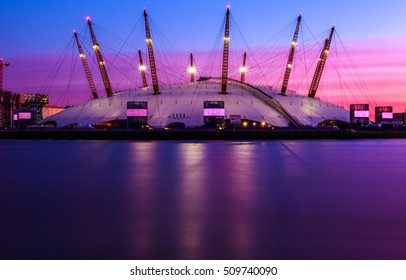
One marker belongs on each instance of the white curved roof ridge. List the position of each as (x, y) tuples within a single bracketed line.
[(183, 102)]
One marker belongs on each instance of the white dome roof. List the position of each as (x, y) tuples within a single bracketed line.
[(184, 103)]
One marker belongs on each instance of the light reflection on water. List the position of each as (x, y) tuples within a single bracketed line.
[(203, 200)]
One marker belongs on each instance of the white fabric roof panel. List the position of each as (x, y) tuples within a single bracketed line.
[(184, 103)]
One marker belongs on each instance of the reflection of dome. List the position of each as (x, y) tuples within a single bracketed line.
[(183, 103)]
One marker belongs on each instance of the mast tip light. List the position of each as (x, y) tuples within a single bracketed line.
[(192, 70), (228, 6), (87, 18)]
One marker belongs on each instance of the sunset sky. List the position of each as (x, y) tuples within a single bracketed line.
[(35, 33)]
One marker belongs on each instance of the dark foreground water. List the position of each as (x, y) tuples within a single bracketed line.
[(203, 200)]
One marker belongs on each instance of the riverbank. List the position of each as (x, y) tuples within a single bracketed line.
[(288, 134)]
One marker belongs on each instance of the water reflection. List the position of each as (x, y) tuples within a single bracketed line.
[(203, 200), (141, 225), (193, 200)]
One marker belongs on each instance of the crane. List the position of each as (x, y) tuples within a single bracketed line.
[(86, 66), (151, 56), (100, 61), (320, 65), (291, 56)]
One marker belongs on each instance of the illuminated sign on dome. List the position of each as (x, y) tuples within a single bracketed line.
[(213, 112)]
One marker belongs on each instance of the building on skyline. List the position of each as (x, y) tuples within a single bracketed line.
[(11, 104)]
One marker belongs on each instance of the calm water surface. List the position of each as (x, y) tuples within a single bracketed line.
[(203, 200)]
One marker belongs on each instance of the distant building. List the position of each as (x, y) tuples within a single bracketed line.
[(8, 102), (359, 114), (12, 104), (49, 110), (383, 114), (30, 98), (399, 118)]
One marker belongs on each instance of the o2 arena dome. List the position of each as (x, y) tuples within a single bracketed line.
[(184, 105), (205, 102)]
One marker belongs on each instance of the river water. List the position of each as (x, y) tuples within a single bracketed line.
[(324, 199)]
